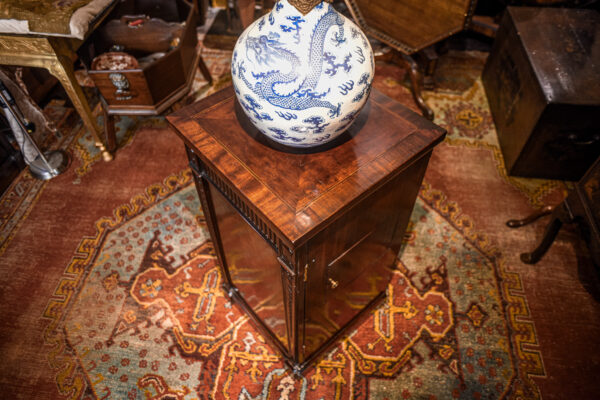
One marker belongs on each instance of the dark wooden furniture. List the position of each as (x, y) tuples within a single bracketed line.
[(411, 27), (307, 239), (542, 81), (582, 206), (155, 85)]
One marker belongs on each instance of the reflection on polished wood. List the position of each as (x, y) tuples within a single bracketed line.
[(57, 55), (253, 267), (307, 238)]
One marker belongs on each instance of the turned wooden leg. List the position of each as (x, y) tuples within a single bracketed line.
[(416, 80), (560, 215), (109, 130), (204, 70), (430, 58), (517, 223)]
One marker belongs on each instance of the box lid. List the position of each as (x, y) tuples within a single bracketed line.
[(299, 191), (563, 46)]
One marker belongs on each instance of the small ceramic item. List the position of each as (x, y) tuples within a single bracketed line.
[(302, 72)]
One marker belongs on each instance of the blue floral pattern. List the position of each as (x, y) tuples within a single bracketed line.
[(302, 78)]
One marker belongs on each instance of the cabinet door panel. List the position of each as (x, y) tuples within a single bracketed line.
[(352, 259)]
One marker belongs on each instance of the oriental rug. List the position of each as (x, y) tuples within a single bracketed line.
[(146, 318), (111, 286)]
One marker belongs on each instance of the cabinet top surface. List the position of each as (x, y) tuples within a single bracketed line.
[(298, 189), (563, 46)]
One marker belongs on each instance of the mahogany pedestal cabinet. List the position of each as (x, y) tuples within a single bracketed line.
[(307, 238)]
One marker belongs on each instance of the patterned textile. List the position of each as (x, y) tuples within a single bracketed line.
[(110, 287), (147, 317)]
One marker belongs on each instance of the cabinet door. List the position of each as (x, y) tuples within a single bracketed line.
[(252, 266), (351, 261)]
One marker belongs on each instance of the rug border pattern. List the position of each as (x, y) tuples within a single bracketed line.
[(61, 358), (522, 328)]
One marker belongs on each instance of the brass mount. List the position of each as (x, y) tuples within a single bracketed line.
[(305, 6)]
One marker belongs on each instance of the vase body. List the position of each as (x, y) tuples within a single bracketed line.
[(302, 79)]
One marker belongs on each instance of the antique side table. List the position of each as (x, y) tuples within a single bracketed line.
[(55, 50), (307, 239)]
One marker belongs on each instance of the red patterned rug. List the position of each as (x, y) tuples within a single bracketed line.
[(147, 316), (112, 291)]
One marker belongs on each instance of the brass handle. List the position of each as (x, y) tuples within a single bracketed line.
[(333, 283)]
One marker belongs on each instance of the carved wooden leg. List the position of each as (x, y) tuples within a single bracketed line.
[(430, 57), (517, 223), (416, 80), (560, 215), (62, 69), (109, 130)]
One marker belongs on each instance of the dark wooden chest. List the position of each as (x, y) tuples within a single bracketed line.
[(307, 239), (542, 81)]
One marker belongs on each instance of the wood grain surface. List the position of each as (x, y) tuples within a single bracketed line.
[(297, 190)]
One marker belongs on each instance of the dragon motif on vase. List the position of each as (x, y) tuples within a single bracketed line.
[(267, 50)]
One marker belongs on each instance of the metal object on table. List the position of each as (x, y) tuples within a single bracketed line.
[(45, 165)]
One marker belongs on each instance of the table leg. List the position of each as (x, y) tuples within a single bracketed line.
[(63, 71), (516, 223), (204, 70), (416, 81), (560, 215), (109, 129), (430, 57)]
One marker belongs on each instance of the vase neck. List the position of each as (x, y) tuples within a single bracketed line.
[(304, 6)]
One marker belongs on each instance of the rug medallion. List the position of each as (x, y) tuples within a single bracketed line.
[(139, 314)]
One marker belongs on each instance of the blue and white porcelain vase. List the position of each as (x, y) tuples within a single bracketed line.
[(302, 72)]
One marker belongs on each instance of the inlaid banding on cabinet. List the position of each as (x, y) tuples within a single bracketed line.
[(349, 249), (256, 222)]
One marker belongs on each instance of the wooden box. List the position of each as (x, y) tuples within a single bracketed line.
[(307, 239), (154, 85), (542, 81)]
